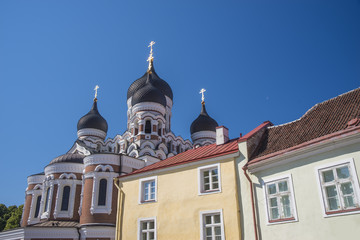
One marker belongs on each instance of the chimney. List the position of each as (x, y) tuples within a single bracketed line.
[(222, 135)]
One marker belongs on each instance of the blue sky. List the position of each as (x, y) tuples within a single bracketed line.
[(258, 60)]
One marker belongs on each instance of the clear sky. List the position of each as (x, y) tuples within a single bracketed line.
[(258, 60)]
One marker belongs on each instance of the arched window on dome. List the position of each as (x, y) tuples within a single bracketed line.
[(136, 127), (37, 208), (102, 192), (65, 198), (147, 126), (46, 206), (159, 128)]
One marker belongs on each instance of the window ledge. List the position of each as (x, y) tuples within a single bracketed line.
[(210, 192), (150, 201), (283, 220), (342, 212)]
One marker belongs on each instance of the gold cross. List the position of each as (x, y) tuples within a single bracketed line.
[(202, 94), (96, 88), (150, 58)]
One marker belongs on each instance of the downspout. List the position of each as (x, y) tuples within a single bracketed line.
[(118, 214), (252, 201), (78, 231)]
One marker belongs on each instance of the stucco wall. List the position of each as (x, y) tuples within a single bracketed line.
[(178, 205), (311, 222)]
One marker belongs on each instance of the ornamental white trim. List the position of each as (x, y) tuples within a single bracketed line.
[(91, 132), (35, 194), (98, 232), (61, 168), (35, 179), (128, 161), (48, 184), (203, 134), (96, 159)]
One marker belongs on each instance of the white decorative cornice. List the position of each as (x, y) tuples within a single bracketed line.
[(35, 179), (148, 106), (91, 132), (98, 231), (64, 167), (96, 159), (132, 162)]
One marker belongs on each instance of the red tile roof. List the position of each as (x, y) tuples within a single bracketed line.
[(192, 155), (324, 118)]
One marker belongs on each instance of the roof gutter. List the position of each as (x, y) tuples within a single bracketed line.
[(252, 201)]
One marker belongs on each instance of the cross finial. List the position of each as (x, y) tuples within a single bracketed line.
[(150, 58), (202, 95), (96, 88)]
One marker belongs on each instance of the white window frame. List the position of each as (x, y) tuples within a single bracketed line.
[(142, 189), (201, 170), (141, 220), (265, 183), (101, 173), (203, 214), (66, 180), (48, 183), (36, 192), (354, 180)]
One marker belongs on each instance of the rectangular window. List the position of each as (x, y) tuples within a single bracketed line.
[(280, 200), (209, 179), (212, 227), (339, 188), (147, 229), (148, 189)]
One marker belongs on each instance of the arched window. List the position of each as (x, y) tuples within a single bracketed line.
[(102, 192), (169, 147), (159, 128), (47, 199), (37, 208), (65, 198), (148, 126)]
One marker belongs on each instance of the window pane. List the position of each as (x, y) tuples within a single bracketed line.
[(333, 203), (328, 176), (47, 199), (214, 171), (208, 231), (65, 198), (209, 238), (217, 218), (152, 196), (274, 213), (152, 235), (206, 180), (153, 184), (151, 225), (273, 202), (217, 231), (272, 189), (37, 210), (143, 236), (349, 201), (208, 219), (206, 173), (331, 191), (144, 225), (215, 186), (346, 188), (285, 200), (218, 238), (214, 178), (102, 192), (283, 186), (343, 172), (207, 187)]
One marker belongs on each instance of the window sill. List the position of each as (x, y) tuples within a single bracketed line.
[(283, 220), (210, 192), (149, 201), (342, 212)]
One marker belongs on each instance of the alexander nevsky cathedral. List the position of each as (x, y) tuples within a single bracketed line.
[(75, 193)]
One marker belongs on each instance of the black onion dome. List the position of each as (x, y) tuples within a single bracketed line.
[(69, 158), (148, 93), (203, 122), (93, 119), (160, 84)]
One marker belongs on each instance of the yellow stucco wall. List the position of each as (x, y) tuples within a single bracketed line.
[(311, 222), (178, 205)]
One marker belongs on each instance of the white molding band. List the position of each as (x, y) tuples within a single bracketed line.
[(95, 159), (91, 132), (64, 167), (203, 134), (35, 179), (148, 106)]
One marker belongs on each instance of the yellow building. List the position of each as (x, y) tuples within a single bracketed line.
[(189, 196)]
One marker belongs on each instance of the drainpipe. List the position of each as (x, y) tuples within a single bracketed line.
[(119, 210), (78, 231), (252, 201)]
